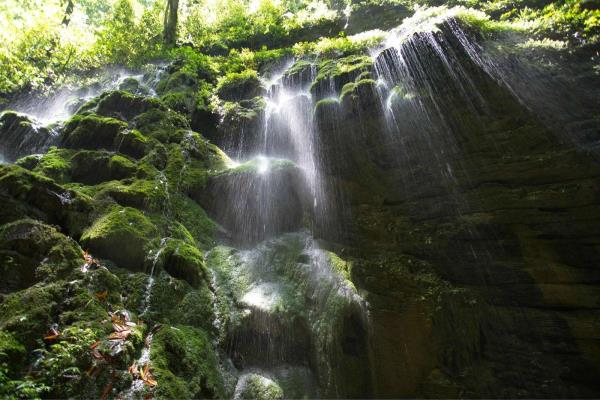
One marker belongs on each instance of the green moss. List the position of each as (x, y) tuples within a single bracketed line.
[(131, 142), (339, 72), (31, 252), (88, 107), (324, 104), (258, 387), (344, 66), (133, 86), (344, 268), (299, 67), (177, 81), (32, 311), (27, 194), (244, 111), (239, 86), (139, 193), (159, 123), (185, 364), (183, 102), (184, 261), (124, 105), (55, 164), (354, 88), (92, 167), (29, 162), (121, 235), (194, 218), (91, 132)]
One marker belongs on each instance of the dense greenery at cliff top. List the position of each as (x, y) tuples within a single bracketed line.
[(44, 42)]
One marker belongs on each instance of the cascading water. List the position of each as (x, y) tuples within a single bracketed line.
[(290, 311), (66, 101), (35, 123), (146, 303), (297, 313)]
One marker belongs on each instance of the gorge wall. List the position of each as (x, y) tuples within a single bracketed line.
[(415, 219)]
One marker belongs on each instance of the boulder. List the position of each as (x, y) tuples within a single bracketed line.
[(20, 136), (122, 235), (27, 194), (258, 387), (184, 261), (93, 132), (31, 251), (124, 105)]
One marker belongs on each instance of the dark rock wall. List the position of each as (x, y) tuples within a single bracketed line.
[(500, 205)]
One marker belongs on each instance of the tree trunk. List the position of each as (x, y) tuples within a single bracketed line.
[(170, 23), (68, 13)]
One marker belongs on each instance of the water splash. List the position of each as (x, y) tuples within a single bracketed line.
[(62, 104), (296, 307), (146, 302)]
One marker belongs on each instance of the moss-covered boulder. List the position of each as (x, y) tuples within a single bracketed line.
[(177, 81), (159, 123), (93, 132), (258, 387), (133, 86), (185, 363), (20, 136), (27, 194), (125, 106), (32, 311), (143, 194), (184, 261), (123, 235), (31, 252), (93, 167), (55, 164), (239, 86)]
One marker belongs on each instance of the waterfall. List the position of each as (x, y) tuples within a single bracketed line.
[(21, 136), (281, 299), (290, 308), (35, 123), (154, 258)]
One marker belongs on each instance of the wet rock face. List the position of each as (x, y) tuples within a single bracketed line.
[(457, 171), (26, 194), (286, 308), (19, 136), (256, 200), (32, 252)]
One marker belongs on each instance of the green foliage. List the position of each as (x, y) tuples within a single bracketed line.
[(62, 367), (568, 19), (227, 36), (123, 40), (185, 363), (340, 46)]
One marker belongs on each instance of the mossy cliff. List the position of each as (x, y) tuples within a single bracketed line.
[(84, 226), (457, 258)]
